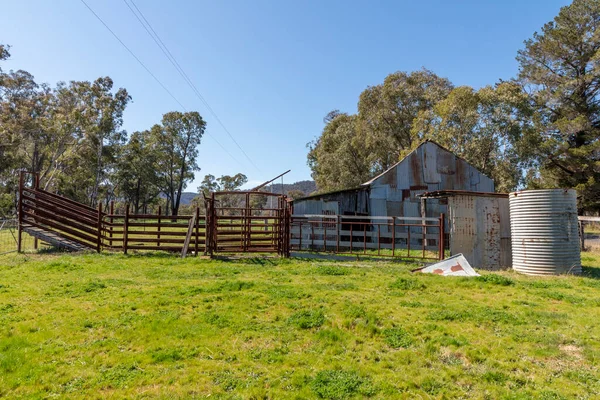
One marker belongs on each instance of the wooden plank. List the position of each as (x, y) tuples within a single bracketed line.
[(186, 244)]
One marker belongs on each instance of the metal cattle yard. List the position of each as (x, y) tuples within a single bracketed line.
[(228, 223)]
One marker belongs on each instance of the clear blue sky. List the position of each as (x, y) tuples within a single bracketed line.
[(269, 69)]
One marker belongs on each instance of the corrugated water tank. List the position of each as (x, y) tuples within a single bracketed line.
[(544, 232)]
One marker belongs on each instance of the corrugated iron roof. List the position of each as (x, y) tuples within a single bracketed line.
[(450, 193), (415, 149), (315, 196)]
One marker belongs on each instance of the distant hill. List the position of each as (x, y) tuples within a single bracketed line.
[(307, 187)]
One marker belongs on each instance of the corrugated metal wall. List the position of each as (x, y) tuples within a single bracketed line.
[(480, 229), (348, 202)]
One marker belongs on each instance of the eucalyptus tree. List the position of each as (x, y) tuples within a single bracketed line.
[(176, 140), (560, 68)]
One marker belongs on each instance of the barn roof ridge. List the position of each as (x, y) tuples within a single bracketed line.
[(352, 189), (370, 181)]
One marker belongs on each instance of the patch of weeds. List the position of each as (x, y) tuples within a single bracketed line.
[(332, 270), (431, 386), (560, 296), (234, 286), (307, 319), (93, 286), (190, 291), (336, 286), (447, 315), (59, 265), (546, 284), (407, 284), (220, 321), (270, 356), (227, 381), (361, 318), (6, 308), (119, 376), (410, 304), (161, 355), (495, 279), (495, 377), (286, 292), (397, 337), (340, 384), (330, 335)]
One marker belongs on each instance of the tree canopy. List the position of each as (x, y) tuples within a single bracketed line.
[(540, 129)]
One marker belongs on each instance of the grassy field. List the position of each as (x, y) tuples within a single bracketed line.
[(114, 326)]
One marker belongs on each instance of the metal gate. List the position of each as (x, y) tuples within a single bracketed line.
[(246, 222)]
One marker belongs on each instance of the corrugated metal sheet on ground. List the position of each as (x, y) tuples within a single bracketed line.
[(453, 266)]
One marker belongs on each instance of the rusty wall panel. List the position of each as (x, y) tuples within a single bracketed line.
[(476, 226)]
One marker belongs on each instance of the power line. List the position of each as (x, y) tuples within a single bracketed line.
[(154, 76), (167, 53)]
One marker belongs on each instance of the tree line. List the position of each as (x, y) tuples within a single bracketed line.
[(72, 136), (540, 129)]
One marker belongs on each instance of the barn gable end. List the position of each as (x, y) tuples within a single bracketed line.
[(429, 167)]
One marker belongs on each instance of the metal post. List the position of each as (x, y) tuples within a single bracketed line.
[(197, 231), (125, 228), (112, 212), (99, 228), (442, 236), (20, 213), (582, 235), (394, 236), (337, 245)]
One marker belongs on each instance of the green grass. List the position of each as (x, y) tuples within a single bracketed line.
[(157, 326)]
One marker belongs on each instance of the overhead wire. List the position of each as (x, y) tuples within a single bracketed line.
[(154, 76), (167, 53)]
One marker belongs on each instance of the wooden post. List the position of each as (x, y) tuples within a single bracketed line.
[(442, 236), (197, 231), (99, 228), (125, 228), (20, 213), (158, 228)]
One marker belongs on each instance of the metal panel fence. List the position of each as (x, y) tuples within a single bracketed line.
[(401, 237)]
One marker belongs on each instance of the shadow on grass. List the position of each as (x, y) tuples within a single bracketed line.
[(590, 272)]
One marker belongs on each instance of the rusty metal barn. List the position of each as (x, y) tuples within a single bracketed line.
[(395, 192)]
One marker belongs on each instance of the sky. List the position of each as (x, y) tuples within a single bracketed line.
[(269, 70)]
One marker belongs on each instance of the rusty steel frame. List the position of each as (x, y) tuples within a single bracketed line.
[(249, 229), (392, 223)]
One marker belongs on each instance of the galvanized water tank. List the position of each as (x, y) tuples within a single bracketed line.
[(544, 232)]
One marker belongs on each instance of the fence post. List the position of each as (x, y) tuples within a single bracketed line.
[(158, 227), (197, 231), (99, 228), (112, 212), (125, 228), (442, 236), (20, 213)]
